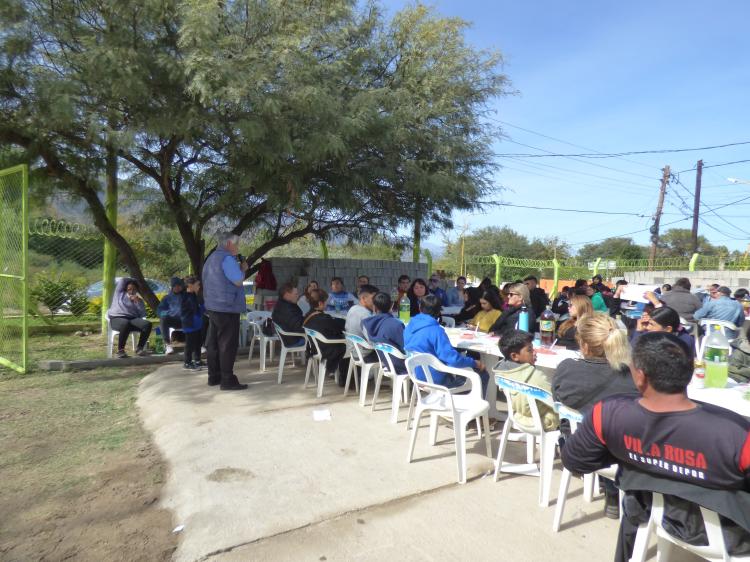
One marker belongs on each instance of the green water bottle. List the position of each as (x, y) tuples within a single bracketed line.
[(158, 342), (717, 359), (404, 309)]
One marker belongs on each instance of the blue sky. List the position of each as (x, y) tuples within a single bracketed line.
[(616, 77)]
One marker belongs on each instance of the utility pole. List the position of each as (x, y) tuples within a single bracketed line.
[(697, 204), (657, 217)]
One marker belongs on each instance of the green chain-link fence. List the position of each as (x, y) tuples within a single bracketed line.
[(13, 267)]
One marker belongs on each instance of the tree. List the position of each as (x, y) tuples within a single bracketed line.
[(612, 248), (677, 243), (278, 119)]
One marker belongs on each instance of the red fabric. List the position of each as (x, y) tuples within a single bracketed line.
[(745, 455), (597, 419), (265, 279)]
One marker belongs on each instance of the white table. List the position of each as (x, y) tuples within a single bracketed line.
[(486, 346), (731, 397), (449, 310)]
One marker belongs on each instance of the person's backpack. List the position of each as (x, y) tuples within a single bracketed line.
[(268, 328), (265, 278)]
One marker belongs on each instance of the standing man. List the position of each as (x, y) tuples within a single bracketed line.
[(225, 300), (456, 294)]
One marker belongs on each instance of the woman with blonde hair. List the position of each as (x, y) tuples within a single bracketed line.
[(602, 371), (518, 296), (579, 306)]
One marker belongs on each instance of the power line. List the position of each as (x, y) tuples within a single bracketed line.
[(568, 143), (629, 233), (716, 165), (713, 211), (641, 215), (618, 154)]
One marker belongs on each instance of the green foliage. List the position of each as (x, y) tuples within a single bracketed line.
[(677, 243), (61, 293), (613, 248)]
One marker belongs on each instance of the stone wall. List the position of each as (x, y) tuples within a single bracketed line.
[(698, 279), (300, 271)]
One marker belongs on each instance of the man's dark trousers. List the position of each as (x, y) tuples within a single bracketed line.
[(221, 347)]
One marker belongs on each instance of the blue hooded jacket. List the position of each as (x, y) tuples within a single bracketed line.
[(171, 304), (423, 334), (384, 328)]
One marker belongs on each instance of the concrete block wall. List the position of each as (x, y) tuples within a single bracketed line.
[(698, 279), (383, 274)]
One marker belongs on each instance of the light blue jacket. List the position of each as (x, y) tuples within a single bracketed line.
[(722, 308), (454, 299), (220, 294), (423, 334)]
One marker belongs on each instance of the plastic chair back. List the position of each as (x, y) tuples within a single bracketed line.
[(531, 393), (358, 344), (388, 352), (449, 321), (438, 396)]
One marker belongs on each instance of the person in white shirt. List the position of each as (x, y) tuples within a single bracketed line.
[(363, 309)]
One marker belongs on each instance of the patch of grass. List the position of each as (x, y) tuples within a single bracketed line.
[(62, 346), (57, 429)]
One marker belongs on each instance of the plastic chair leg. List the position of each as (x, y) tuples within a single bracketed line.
[(459, 429), (377, 390), (562, 496), (530, 443), (434, 422), (413, 439), (349, 373), (364, 379), (282, 359), (501, 451), (546, 463), (263, 344), (479, 427), (271, 348), (321, 378), (252, 345), (396, 398), (487, 444), (640, 547), (412, 403), (308, 370), (589, 483)]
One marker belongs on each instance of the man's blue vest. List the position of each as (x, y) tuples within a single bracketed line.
[(219, 293)]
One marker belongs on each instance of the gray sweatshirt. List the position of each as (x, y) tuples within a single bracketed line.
[(122, 306)]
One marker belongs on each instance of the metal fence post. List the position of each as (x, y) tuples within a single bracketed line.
[(496, 259), (693, 261), (555, 276), (596, 267)]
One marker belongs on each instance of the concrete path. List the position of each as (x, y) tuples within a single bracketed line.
[(253, 477)]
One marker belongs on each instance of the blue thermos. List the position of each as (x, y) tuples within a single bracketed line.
[(523, 319)]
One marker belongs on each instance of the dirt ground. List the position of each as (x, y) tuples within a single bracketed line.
[(80, 477)]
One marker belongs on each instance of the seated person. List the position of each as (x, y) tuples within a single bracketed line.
[(739, 360), (615, 301), (664, 319), (417, 290), (662, 421), (303, 303), (331, 328), (355, 316), (423, 334), (287, 315), (566, 333), (340, 298), (681, 300), (126, 314), (489, 313), (722, 307), (470, 307), (437, 290), (561, 303), (362, 280), (597, 300), (598, 285), (169, 311), (518, 296), (601, 372), (455, 295), (519, 364), (384, 328), (404, 282), (537, 295)]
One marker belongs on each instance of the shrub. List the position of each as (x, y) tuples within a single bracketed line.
[(95, 306), (78, 303), (59, 294)]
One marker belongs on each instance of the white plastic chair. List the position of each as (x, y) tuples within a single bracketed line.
[(715, 551), (112, 334), (255, 321), (289, 349), (357, 361), (449, 321), (439, 402), (590, 481), (399, 382), (547, 439), (317, 338), (708, 325)]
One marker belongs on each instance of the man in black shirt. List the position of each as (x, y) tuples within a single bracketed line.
[(664, 435), (539, 299)]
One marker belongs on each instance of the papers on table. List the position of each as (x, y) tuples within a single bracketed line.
[(635, 293)]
